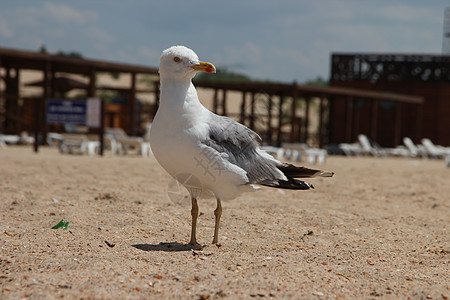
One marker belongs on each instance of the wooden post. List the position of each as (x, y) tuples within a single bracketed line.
[(102, 127), (216, 101), (374, 120), (224, 102), (356, 118), (293, 114), (52, 93), (38, 105), (132, 105), (252, 111), (306, 133), (280, 122), (349, 119), (37, 121), (91, 85), (92, 91), (269, 121), (321, 112), (18, 110), (330, 115), (243, 106), (398, 123), (419, 122)]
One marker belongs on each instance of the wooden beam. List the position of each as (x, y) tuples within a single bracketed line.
[(34, 61), (303, 90)]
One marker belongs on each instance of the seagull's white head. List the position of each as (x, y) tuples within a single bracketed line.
[(181, 63)]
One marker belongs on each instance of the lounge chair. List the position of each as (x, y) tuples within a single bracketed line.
[(12, 139), (2, 142), (73, 143), (54, 138), (121, 142), (367, 147), (9, 139), (414, 150), (353, 149), (435, 151), (374, 149), (295, 151)]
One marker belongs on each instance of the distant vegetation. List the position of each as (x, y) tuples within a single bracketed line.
[(319, 81), (223, 75), (71, 54)]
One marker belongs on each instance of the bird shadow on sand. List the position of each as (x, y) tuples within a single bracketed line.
[(167, 247)]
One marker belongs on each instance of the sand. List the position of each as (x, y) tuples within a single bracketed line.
[(377, 230)]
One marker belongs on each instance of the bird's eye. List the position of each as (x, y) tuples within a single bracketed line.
[(176, 59)]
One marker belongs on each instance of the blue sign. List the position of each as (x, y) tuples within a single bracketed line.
[(65, 111)]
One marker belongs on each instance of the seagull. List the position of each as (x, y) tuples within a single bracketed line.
[(210, 155)]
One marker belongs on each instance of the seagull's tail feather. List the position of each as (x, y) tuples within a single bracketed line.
[(292, 171), (290, 184)]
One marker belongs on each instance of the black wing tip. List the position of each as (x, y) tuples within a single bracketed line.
[(293, 171), (290, 184)]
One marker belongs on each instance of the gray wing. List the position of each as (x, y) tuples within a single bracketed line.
[(238, 144)]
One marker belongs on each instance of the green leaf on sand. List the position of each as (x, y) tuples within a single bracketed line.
[(62, 224)]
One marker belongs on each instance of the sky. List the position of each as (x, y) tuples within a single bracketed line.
[(284, 40)]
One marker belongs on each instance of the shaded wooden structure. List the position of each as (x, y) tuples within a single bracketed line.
[(278, 112), (425, 76), (285, 103), (54, 70)]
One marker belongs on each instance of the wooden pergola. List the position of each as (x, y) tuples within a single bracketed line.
[(281, 125), (424, 75), (16, 61)]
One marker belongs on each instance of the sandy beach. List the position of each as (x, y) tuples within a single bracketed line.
[(379, 229)]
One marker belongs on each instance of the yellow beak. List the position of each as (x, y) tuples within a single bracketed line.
[(204, 67)]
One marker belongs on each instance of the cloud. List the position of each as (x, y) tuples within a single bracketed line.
[(58, 26), (5, 30), (287, 40), (65, 14), (99, 35), (148, 54), (248, 52), (408, 13)]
